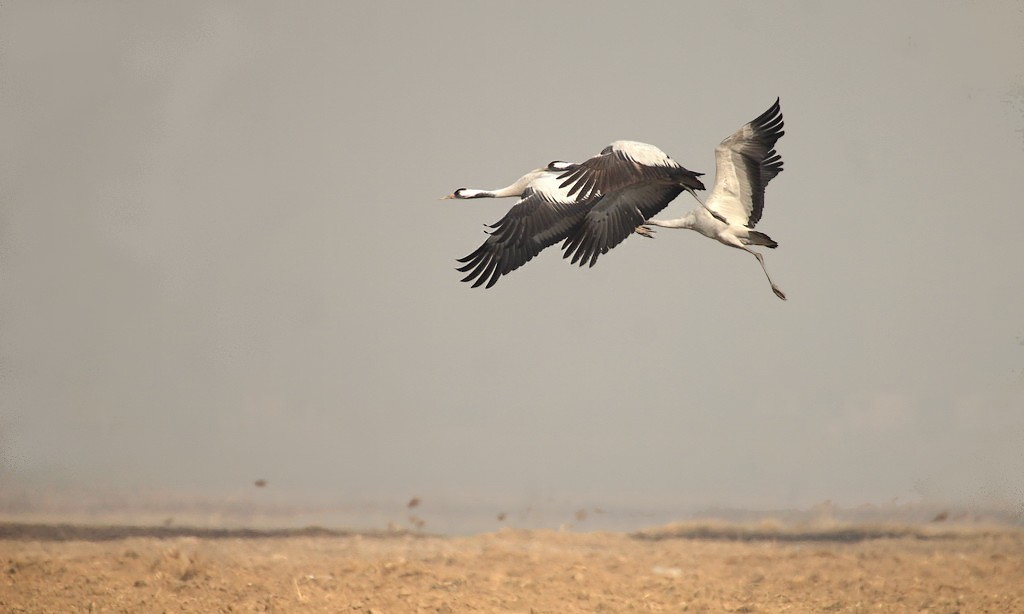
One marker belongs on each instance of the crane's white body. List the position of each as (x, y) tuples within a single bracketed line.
[(732, 235), (643, 153)]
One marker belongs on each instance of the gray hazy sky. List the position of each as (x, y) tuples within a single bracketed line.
[(222, 255)]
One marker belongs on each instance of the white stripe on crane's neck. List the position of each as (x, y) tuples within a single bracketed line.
[(643, 153), (471, 193)]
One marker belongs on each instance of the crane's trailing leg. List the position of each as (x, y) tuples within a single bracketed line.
[(779, 293)]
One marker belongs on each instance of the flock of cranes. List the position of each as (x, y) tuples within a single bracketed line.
[(594, 205)]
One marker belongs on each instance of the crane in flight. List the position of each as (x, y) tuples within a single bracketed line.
[(744, 164), (544, 215)]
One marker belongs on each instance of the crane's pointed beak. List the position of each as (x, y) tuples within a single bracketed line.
[(447, 197)]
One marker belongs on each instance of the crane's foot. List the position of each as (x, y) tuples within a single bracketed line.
[(645, 231), (778, 293)]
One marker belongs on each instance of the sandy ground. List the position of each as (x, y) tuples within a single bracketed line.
[(507, 571)]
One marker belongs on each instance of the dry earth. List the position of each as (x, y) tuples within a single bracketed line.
[(67, 569)]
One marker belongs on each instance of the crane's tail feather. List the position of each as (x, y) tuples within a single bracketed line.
[(759, 238)]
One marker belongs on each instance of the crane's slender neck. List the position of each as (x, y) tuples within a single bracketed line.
[(516, 189), (687, 221)]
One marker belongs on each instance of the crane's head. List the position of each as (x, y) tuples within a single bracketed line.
[(467, 193), (455, 194), (559, 165)]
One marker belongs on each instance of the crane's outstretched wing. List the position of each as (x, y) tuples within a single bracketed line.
[(614, 217), (624, 163), (537, 221), (745, 162)]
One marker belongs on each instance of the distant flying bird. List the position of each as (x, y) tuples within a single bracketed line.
[(744, 164), (545, 214)]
